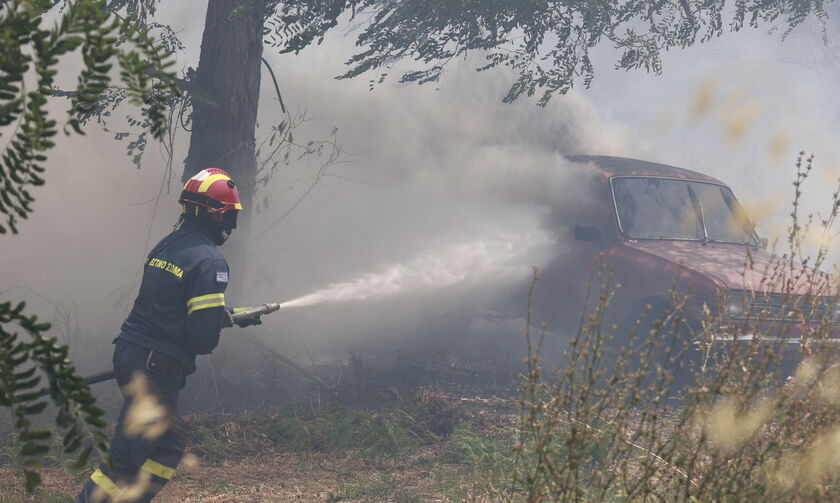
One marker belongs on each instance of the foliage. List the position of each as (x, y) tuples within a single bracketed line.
[(87, 27), (376, 436), (212, 448), (290, 430), (547, 43), (604, 425), (484, 463), (20, 390), (400, 425), (29, 51)]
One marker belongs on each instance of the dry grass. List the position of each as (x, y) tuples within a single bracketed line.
[(602, 428), (264, 478), (248, 465)]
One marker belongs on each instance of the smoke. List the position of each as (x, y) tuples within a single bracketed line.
[(425, 166), (463, 262), (740, 108), (439, 181), (443, 195)]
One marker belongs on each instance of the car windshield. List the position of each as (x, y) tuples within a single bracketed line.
[(665, 208)]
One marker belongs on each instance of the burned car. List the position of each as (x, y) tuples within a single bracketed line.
[(669, 239)]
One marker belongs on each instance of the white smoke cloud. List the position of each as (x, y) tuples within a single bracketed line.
[(427, 167)]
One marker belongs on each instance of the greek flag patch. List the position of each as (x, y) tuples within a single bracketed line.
[(221, 277)]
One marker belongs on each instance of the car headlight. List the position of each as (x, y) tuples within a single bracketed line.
[(735, 305), (835, 312)]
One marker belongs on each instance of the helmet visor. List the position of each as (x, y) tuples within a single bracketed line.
[(229, 220)]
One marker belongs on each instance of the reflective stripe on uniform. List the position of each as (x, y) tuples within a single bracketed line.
[(158, 469), (209, 181), (205, 301), (105, 483)]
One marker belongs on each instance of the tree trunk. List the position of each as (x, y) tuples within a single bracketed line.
[(225, 95)]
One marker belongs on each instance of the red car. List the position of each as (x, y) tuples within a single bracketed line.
[(663, 230)]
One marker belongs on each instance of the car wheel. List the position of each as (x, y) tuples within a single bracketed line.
[(657, 339)]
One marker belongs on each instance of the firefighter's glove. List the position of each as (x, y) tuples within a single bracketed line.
[(248, 322), (227, 320)]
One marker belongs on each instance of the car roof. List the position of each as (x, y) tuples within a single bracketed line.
[(623, 166)]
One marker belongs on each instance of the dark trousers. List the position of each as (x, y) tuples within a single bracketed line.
[(144, 454)]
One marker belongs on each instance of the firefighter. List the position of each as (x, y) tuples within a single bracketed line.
[(179, 313)]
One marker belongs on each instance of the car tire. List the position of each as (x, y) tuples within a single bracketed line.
[(657, 334)]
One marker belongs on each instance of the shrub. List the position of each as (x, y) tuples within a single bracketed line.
[(598, 429)]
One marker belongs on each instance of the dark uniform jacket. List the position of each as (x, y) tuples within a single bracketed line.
[(179, 309)]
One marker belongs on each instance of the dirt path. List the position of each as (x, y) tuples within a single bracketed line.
[(280, 477), (396, 453)]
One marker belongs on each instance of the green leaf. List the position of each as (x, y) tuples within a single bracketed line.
[(74, 444), (34, 435), (33, 480), (83, 458), (32, 449)]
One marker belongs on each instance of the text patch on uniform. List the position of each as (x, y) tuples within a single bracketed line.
[(166, 266), (221, 277)]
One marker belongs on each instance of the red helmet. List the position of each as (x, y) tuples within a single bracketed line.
[(213, 189)]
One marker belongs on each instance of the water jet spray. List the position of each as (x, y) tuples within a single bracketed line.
[(476, 260)]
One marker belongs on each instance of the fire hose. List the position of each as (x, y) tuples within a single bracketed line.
[(231, 319)]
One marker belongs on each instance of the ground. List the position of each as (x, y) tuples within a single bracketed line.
[(423, 448), (260, 479)]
